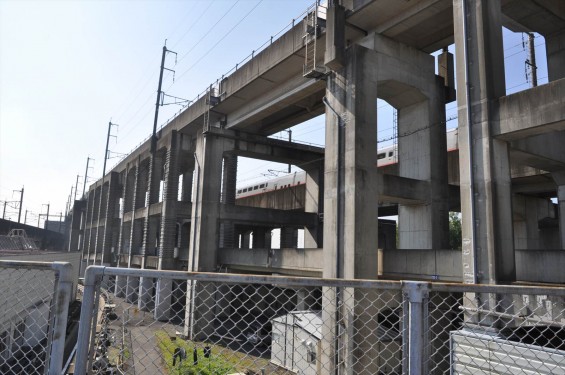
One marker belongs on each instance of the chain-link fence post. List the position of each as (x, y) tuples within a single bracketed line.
[(60, 309), (417, 295), (87, 314)]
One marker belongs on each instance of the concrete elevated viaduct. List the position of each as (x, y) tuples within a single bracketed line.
[(175, 208)]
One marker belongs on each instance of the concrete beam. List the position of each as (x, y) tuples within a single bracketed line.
[(267, 216), (275, 150), (531, 112)]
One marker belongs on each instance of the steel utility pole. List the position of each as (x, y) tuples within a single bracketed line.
[(76, 187), (21, 202), (158, 100), (289, 140), (106, 156), (86, 175), (532, 60), (4, 212)]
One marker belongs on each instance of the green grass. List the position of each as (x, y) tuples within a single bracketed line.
[(215, 365)]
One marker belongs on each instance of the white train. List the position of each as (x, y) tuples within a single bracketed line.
[(386, 156)]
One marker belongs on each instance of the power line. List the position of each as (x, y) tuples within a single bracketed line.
[(220, 40)]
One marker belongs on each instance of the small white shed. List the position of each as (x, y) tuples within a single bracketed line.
[(296, 341)]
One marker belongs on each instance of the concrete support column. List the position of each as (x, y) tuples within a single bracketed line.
[(246, 240), (314, 202), (528, 211), (96, 242), (91, 244), (144, 302), (163, 295), (204, 238), (111, 220), (289, 238), (151, 228), (423, 156), (488, 255), (350, 209), (559, 178), (136, 237), (227, 234), (121, 286), (127, 205), (132, 288), (187, 177), (555, 50), (229, 179), (259, 236), (78, 209), (169, 207), (350, 231), (141, 183)]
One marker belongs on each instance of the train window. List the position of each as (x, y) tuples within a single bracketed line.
[(381, 156), (255, 187), (261, 186), (390, 154), (239, 191), (245, 190)]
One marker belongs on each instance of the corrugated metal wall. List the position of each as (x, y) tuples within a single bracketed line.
[(474, 353)]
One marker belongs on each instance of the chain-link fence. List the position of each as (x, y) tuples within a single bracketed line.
[(33, 316), (154, 322)]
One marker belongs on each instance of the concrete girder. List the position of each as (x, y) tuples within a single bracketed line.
[(259, 147), (531, 112), (288, 104), (267, 216), (543, 151)]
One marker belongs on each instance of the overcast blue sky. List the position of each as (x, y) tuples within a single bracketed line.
[(68, 67)]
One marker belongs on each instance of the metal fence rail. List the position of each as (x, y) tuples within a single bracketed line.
[(196, 323), (33, 316)]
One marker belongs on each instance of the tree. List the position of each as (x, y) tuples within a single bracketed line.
[(455, 237)]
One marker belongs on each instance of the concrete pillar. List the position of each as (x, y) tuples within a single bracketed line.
[(95, 243), (246, 240), (423, 156), (227, 235), (91, 235), (314, 201), (229, 178), (555, 50), (350, 231), (132, 289), (151, 224), (289, 238), (127, 205), (111, 219), (187, 177), (350, 208), (559, 178), (528, 211), (78, 209), (121, 286), (488, 256), (169, 206), (205, 236), (258, 238), (163, 294), (145, 300)]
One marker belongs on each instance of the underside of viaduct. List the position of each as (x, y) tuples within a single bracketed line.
[(175, 208)]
